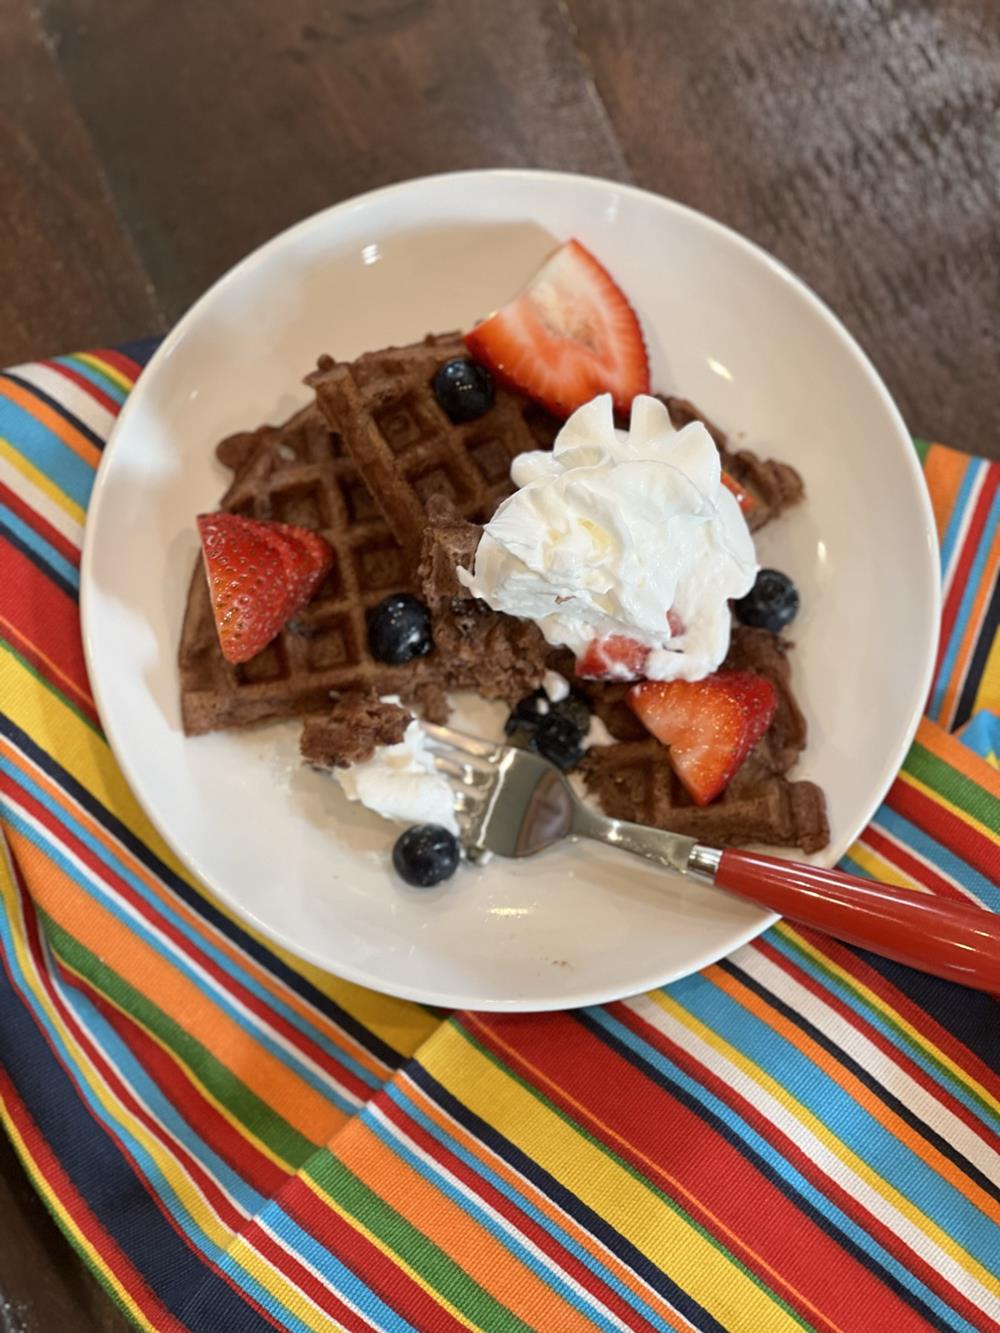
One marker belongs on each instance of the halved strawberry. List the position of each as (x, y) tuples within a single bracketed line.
[(744, 499), (259, 576), (615, 658), (568, 336), (710, 725)]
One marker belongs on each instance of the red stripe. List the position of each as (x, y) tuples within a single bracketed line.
[(693, 1164), (970, 548), (905, 861), (88, 386), (787, 1148), (165, 1069), (286, 1263), (526, 1226), (60, 687), (938, 821), (895, 1055), (129, 368), (186, 944), (44, 615), (933, 1033), (71, 1202), (376, 1269), (34, 520)]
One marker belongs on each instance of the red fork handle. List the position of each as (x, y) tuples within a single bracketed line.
[(950, 939)]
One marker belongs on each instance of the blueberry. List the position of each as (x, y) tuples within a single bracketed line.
[(399, 629), (464, 389), (576, 708), (526, 714), (559, 739), (771, 603), (425, 855)]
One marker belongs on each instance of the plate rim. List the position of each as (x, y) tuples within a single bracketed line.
[(357, 203)]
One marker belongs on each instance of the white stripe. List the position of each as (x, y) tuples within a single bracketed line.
[(861, 1048), (70, 397), (963, 531), (816, 1151), (502, 1222), (528, 1188), (127, 855), (916, 856), (38, 501), (320, 1277), (209, 982)]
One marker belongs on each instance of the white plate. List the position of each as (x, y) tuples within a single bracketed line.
[(726, 326)]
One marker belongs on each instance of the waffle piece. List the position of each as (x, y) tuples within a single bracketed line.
[(773, 485), (406, 448), (298, 473), (475, 647), (633, 780), (349, 734)]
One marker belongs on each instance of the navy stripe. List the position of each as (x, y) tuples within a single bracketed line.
[(976, 667), (189, 895), (569, 1202), (968, 1015), (96, 440), (115, 1193), (38, 561), (141, 349), (762, 1165), (919, 1126)]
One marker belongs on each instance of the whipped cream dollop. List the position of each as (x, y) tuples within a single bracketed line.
[(400, 782), (613, 530)]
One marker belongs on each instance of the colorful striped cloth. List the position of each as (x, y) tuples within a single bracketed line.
[(802, 1136)]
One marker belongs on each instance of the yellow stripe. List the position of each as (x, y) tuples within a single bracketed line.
[(397, 1259), (289, 1296), (881, 869), (68, 1224), (836, 1146), (988, 694), (877, 1003), (667, 1238), (40, 481), (104, 368)]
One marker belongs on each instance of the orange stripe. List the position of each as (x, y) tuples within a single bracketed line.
[(855, 1089), (485, 1259), (524, 1188), (119, 948), (658, 1174), (944, 469), (51, 419), (951, 751), (317, 1020), (974, 626)]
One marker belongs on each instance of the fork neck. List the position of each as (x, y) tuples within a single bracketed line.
[(671, 851)]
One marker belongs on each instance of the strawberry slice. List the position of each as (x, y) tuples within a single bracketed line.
[(710, 725), (259, 576), (615, 658), (568, 336), (744, 499)]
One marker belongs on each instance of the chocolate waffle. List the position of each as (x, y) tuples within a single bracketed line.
[(298, 473), (407, 449), (632, 779)]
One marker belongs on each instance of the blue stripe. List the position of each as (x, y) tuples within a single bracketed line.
[(91, 373), (972, 587), (58, 407), (511, 1242), (758, 1145), (27, 536), (46, 451), (890, 1159), (344, 1281), (972, 471), (548, 1224), (175, 959), (918, 840)]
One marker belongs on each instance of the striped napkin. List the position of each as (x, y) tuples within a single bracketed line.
[(801, 1136)]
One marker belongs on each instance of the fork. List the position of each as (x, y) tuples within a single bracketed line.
[(515, 803)]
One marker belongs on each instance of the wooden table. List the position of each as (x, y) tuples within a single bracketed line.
[(146, 146)]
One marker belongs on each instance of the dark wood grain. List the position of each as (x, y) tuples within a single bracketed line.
[(859, 141), (68, 270), (146, 146)]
